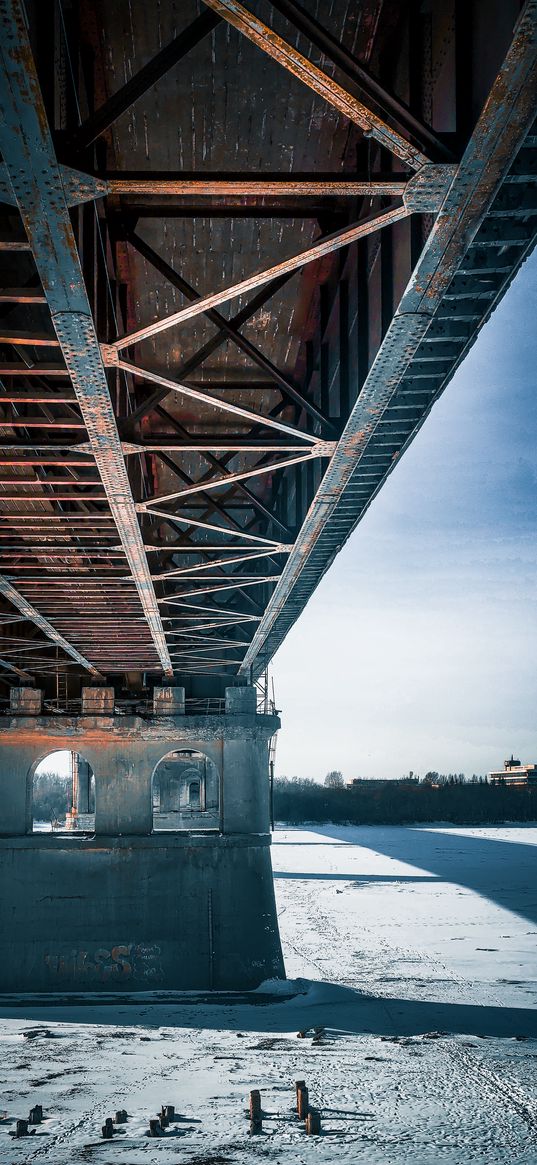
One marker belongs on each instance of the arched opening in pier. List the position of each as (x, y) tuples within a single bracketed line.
[(185, 792), (63, 794)]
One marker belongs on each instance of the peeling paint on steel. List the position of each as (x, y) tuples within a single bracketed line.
[(35, 178), (13, 596), (272, 44), (500, 131)]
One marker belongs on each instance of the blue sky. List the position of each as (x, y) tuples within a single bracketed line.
[(417, 651)]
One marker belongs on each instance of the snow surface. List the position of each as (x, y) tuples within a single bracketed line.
[(413, 947)]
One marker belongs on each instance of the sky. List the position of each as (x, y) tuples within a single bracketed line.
[(417, 651), (55, 762)]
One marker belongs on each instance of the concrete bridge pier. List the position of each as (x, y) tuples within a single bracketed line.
[(176, 894), (81, 783)]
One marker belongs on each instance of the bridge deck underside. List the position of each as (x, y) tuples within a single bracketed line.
[(354, 190)]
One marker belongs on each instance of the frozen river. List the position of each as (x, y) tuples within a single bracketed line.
[(414, 949)]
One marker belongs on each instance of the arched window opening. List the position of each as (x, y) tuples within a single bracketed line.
[(63, 794), (194, 799), (185, 792)]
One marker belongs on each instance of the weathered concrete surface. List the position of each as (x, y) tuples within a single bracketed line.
[(168, 911), (123, 753), (97, 701), (169, 701), (130, 908), (25, 701)]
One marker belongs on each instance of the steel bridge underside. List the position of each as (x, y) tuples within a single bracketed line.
[(242, 259)]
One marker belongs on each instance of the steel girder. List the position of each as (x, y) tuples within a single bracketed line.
[(36, 181), (456, 284), (339, 503), (29, 611)]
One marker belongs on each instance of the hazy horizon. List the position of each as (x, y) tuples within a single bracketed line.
[(416, 650)]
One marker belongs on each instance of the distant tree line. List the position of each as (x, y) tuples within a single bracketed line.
[(51, 796), (437, 797)]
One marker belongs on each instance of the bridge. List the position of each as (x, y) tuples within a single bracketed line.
[(245, 248)]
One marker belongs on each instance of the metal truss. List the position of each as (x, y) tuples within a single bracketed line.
[(132, 534)]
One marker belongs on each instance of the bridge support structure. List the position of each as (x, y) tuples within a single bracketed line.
[(132, 907)]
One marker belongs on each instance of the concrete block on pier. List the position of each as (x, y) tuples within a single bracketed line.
[(169, 701), (241, 701), (25, 701), (97, 701)]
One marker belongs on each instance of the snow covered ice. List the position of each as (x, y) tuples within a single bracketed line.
[(414, 948)]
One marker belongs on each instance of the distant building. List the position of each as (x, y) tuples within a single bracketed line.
[(379, 782), (514, 773)]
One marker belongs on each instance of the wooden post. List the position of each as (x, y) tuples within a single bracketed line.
[(21, 1128), (36, 1115), (121, 1116), (313, 1122), (302, 1103), (255, 1105), (170, 1111), (155, 1127), (298, 1085), (107, 1131)]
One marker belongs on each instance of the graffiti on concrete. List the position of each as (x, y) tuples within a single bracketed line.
[(118, 963)]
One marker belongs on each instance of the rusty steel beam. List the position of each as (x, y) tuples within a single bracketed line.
[(217, 402), (231, 533), (188, 366), (27, 550), (199, 667), (212, 639), (245, 556), (36, 396), (26, 648), (326, 246), (220, 465), (25, 644), (501, 129), (23, 675), (29, 339), (53, 497), (193, 654), (204, 626), (22, 295), (215, 507), (223, 586), (321, 83), (10, 368), (42, 481), (320, 449), (214, 445), (206, 548), (14, 245), (69, 446), (238, 579), (303, 186), (372, 89), (35, 178), (13, 596), (43, 461), (66, 520), (233, 333), (39, 423)]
